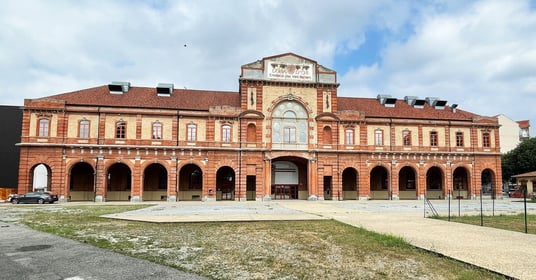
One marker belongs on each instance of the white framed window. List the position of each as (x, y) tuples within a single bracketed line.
[(191, 132), (226, 133)]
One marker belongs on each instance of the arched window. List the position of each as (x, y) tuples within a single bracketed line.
[(44, 128), (289, 126), (157, 130), (226, 133), (459, 139), (252, 133), (406, 137), (349, 136), (191, 132), (120, 129), (378, 137), (327, 135), (83, 129), (433, 138), (486, 141)]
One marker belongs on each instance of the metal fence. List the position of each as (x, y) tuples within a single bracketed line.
[(485, 206)]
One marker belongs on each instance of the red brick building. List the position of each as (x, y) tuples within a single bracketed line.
[(284, 135)]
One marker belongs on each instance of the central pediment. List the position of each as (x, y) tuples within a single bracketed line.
[(288, 67)]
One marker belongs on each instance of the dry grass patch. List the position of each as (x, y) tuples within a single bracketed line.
[(254, 250), (513, 222)]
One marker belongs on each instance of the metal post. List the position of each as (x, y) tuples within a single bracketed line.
[(424, 206), (493, 205), (525, 202), (481, 213), (459, 202), (450, 195)]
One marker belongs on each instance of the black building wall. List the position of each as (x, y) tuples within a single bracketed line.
[(10, 133)]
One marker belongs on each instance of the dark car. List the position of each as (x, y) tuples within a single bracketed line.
[(35, 197)]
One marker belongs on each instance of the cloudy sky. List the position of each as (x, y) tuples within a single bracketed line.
[(478, 54)]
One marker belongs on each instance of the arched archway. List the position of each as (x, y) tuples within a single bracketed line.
[(40, 178), (155, 182), (82, 182), (434, 183), (289, 178), (407, 183), (225, 183), (460, 183), (488, 182), (289, 126), (119, 179), (350, 184), (191, 183), (379, 183)]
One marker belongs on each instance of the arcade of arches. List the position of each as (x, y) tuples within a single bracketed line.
[(284, 134), (289, 178)]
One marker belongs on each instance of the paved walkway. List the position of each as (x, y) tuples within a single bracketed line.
[(506, 252), (33, 255)]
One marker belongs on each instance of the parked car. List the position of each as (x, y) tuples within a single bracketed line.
[(11, 196), (35, 197)]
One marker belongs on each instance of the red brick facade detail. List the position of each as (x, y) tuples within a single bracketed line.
[(312, 160)]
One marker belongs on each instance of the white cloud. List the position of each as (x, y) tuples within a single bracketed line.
[(482, 57)]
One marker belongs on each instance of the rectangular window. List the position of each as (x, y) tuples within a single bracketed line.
[(378, 137), (349, 137), (433, 138), (226, 133), (120, 130), (289, 134), (459, 139), (43, 127), (83, 129), (157, 130), (192, 133), (406, 137), (486, 143)]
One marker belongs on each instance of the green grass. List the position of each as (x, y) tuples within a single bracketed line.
[(254, 250), (508, 222)]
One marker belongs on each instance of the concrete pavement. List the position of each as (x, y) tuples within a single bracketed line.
[(502, 251), (506, 252), (32, 255)]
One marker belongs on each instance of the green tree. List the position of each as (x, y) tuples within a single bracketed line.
[(520, 160)]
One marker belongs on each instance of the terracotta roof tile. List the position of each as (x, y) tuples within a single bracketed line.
[(147, 98), (524, 123), (371, 107), (144, 97)]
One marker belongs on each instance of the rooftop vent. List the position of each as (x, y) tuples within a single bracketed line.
[(164, 89), (386, 100), (436, 103), (415, 102), (118, 87)]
